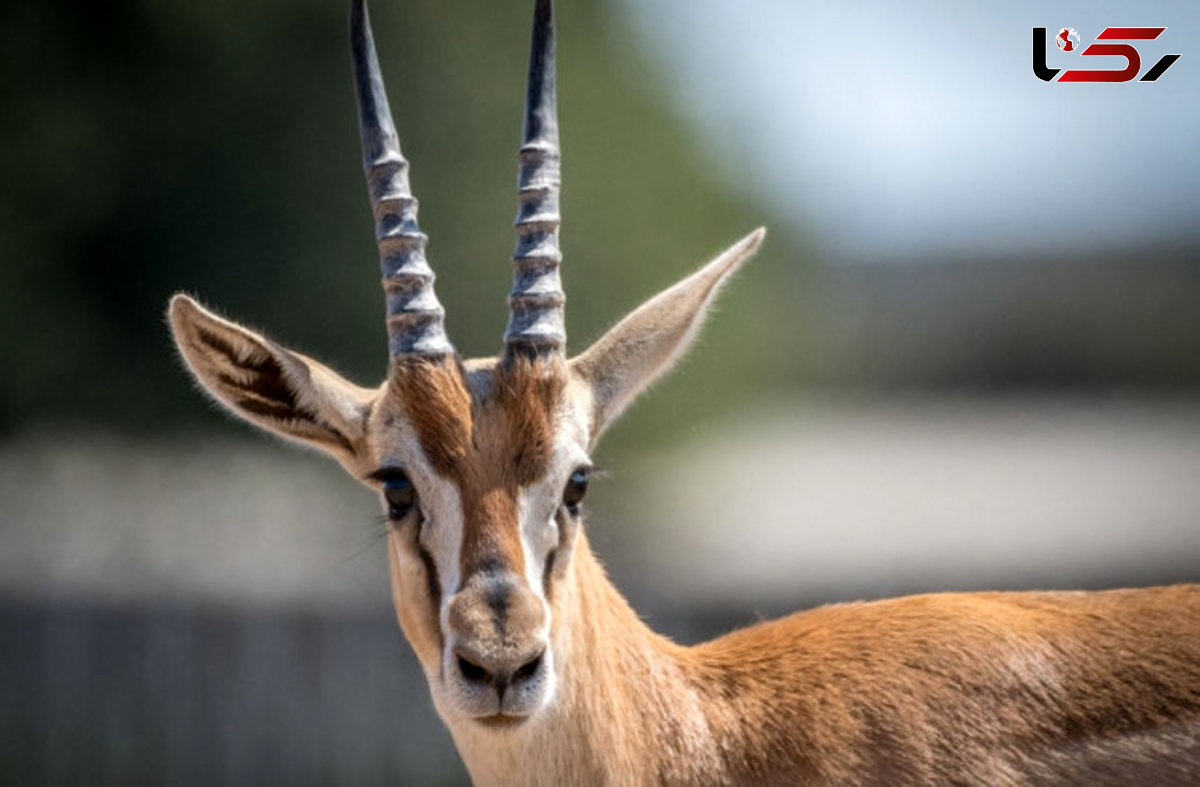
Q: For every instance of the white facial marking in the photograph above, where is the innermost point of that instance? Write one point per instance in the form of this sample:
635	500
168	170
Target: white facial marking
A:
540	501
441	528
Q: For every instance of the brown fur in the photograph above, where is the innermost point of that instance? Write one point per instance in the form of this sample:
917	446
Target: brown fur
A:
416	603
438	404
989	688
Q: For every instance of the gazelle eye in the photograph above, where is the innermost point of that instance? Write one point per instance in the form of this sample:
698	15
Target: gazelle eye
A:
577	487
400	495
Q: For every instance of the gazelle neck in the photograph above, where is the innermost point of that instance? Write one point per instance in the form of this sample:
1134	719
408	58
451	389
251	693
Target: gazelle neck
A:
627	709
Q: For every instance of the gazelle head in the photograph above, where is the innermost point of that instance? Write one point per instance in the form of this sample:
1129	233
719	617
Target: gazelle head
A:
481	465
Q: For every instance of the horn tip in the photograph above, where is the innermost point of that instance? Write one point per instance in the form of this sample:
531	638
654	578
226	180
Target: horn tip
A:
543	18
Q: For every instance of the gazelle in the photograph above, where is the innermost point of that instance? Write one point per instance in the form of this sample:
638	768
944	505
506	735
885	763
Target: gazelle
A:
535	662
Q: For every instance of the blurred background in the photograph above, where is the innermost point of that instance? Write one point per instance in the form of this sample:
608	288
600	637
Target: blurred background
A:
968	357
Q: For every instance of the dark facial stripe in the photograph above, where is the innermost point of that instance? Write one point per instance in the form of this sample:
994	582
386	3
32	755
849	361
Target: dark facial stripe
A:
491	532
433	582
548	572
498	593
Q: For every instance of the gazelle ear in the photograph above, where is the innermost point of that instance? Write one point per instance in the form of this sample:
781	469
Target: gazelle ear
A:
643	346
269	386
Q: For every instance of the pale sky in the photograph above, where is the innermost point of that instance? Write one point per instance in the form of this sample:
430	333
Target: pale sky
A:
892	131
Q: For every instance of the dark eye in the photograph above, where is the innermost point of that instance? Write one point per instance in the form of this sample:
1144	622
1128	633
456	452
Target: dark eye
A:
400	495
577	487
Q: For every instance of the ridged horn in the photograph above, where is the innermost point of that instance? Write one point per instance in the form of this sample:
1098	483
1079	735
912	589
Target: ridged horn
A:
535	323
415	318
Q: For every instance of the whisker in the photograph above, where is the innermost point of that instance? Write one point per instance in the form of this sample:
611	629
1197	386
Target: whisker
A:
380	527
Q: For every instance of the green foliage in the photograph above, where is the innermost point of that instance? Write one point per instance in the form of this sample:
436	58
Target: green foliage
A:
153	147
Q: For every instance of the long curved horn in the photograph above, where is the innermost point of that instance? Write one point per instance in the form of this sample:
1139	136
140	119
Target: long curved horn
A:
535	323
415	318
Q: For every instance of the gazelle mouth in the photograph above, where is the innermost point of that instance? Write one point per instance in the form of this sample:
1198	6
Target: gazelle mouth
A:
501	721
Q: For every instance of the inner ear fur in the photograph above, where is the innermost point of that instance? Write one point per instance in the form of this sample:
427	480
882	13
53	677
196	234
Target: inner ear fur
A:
271	387
645	344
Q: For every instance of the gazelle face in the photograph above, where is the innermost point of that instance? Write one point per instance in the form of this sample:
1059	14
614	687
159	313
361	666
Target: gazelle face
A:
480	466
481	470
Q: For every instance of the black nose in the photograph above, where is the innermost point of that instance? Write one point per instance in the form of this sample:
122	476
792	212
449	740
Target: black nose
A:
498	676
